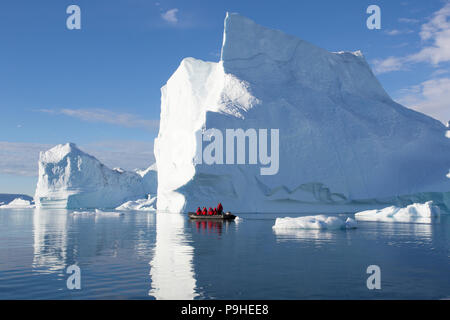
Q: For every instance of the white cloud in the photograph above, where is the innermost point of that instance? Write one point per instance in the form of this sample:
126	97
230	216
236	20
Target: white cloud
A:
431	97
387	65
396	32
170	15
435	36
436	31
106	116
408	20
21	158
125	154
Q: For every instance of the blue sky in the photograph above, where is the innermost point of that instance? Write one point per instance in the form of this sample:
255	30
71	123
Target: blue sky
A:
100	86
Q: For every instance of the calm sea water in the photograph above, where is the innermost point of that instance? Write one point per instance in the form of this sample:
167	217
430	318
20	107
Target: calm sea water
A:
163	256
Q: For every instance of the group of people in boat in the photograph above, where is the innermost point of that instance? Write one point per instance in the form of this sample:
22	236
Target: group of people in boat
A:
210	212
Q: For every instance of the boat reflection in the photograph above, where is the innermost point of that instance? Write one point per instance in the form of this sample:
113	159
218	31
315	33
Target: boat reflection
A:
203	226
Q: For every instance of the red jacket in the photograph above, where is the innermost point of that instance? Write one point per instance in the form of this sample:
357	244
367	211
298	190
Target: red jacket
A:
210	212
199	211
219	208
204	212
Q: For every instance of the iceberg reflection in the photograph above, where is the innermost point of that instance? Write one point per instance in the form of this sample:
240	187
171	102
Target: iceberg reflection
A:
171	268
316	235
50	240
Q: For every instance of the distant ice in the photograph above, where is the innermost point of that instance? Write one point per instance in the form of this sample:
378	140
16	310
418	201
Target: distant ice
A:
82	213
70	178
315	222
108	214
148	204
419	213
18	204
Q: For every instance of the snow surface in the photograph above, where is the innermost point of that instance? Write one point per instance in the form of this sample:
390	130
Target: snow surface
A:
315	222
72	179
420	213
18	204
148	204
344	143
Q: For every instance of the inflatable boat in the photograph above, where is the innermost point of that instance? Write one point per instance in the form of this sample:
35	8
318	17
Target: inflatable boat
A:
225	216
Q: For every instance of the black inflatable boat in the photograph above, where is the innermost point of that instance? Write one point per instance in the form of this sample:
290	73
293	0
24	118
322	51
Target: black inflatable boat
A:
225	216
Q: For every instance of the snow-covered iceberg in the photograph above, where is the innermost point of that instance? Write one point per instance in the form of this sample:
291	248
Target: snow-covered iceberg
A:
417	212
315	222
70	178
343	142
18	203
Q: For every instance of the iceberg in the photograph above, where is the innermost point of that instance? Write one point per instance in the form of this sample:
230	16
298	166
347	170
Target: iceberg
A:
418	213
150	179
148	204
315	222
343	142
18	204
69	178
6	198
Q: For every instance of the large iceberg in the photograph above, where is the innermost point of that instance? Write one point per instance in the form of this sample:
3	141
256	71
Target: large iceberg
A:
70	178
343	142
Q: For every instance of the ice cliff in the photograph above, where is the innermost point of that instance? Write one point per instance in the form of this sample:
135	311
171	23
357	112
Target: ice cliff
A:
70	178
342	140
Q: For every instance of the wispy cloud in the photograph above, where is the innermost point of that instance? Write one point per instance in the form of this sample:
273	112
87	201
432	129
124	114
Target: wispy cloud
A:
435	37
21	158
126	154
431	97
170	15
396	32
387	65
106	116
408	20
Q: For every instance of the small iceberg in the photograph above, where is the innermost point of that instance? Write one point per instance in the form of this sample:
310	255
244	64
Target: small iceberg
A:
148	204
82	213
416	212
315	222
18	204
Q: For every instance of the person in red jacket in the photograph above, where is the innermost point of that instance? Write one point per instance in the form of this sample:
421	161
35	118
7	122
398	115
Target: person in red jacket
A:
215	211
204	212
199	211
210	212
219	209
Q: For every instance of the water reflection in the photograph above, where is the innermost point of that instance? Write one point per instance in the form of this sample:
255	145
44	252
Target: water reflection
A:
62	238
315	235
50	240
214	227
172	271
420	233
